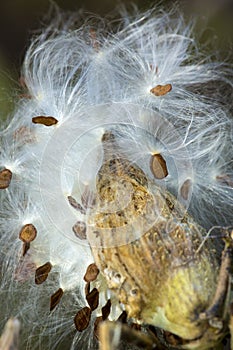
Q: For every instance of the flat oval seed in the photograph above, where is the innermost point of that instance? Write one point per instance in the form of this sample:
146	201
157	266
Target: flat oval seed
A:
106	310
80	229
55	298
185	189
97	322
28	233
44	120
42	273
91	273
93	299
158	166
82	319
161	90
5	178
76	205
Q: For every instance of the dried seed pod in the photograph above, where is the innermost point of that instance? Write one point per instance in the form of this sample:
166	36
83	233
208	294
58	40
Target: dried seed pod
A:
5	178
80	229
158	166
44	120
106	309
93	299
91	273
76	205
97	322
42	273
55	298
28	233
185	189
161	90
82	319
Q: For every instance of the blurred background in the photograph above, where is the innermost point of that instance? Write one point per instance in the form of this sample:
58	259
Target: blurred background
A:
19	18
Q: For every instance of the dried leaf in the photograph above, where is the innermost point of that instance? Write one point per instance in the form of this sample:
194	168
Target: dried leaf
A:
5	178
158	166
91	273
42	273
44	120
82	319
93	299
28	233
161	90
55	298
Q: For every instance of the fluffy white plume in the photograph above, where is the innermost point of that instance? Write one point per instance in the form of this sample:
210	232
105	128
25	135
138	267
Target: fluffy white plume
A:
143	77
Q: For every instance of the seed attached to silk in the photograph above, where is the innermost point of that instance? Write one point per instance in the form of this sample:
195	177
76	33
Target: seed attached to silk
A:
158	166
91	273
185	189
161	90
82	319
42	273
93	299
28	233
55	298
44	120
5	178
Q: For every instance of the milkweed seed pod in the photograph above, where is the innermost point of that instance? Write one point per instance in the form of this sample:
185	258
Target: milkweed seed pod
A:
116	185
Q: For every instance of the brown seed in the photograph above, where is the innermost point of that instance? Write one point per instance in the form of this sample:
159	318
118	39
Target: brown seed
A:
96	326
28	233
106	310
158	166
55	298
225	180
123	317
185	189
76	205
44	120
26	247
5	178
91	273
42	273
161	90
93	299
82	319
80	229
87	288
